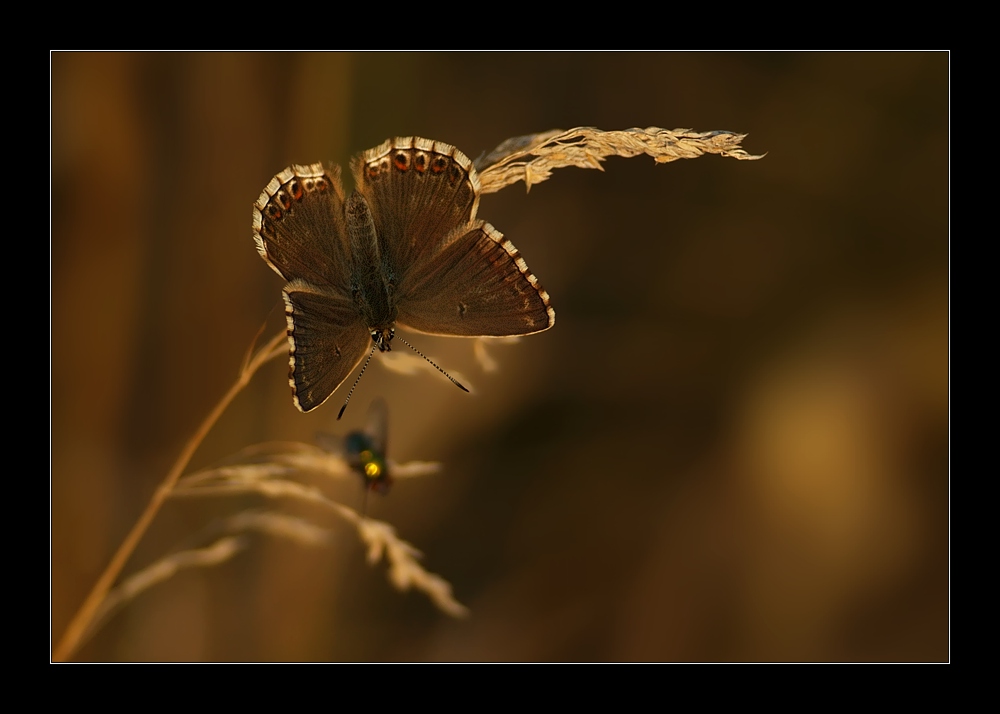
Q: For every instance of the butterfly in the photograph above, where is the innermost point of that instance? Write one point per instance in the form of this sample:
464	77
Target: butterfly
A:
404	249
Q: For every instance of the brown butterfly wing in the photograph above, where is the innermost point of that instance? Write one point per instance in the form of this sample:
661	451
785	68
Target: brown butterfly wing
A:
327	338
477	286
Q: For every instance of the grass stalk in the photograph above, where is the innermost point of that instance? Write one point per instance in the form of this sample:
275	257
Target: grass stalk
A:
83	618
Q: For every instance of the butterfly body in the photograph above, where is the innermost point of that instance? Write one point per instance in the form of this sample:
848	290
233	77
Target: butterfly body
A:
372	279
404	248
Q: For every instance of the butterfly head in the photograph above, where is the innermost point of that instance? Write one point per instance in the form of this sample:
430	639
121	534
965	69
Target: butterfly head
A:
382	337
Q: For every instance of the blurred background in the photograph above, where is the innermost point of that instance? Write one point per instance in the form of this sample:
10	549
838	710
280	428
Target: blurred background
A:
732	446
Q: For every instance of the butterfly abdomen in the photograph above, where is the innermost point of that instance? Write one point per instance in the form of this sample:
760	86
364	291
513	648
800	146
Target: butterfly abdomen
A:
367	277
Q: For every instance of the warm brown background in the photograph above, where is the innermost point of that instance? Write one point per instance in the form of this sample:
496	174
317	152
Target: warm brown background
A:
732	446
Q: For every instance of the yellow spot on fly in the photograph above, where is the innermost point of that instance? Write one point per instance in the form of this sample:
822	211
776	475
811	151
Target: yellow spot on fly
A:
372	469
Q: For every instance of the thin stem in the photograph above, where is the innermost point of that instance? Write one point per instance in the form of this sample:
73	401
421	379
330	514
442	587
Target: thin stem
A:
81	621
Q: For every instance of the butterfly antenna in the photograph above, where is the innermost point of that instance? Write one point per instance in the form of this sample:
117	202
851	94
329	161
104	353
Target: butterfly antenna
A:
432	364
353	386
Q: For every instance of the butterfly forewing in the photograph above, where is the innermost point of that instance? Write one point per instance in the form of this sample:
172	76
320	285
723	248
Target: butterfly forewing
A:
419	192
327	337
299	226
477	286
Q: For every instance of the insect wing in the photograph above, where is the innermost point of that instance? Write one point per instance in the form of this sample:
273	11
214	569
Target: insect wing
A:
327	338
419	192
377	426
298	226
478	285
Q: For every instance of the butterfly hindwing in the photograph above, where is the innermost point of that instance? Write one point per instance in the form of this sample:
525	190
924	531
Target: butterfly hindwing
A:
477	286
327	339
299	228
